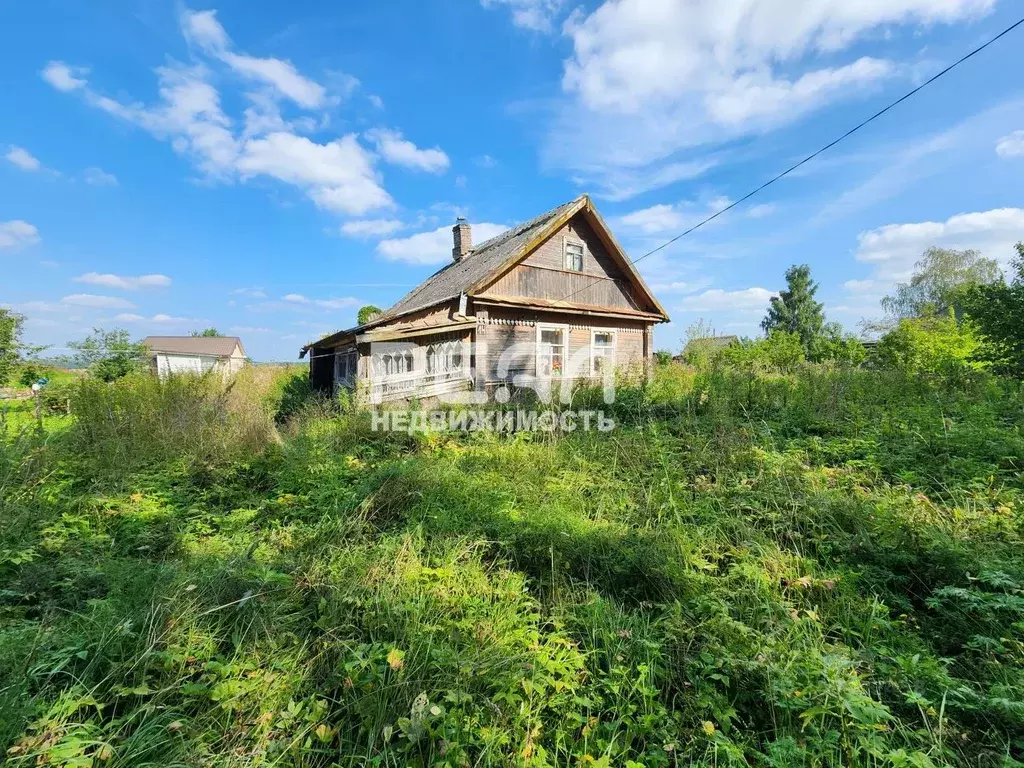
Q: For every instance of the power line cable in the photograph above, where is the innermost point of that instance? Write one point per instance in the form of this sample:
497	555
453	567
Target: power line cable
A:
813	155
810	157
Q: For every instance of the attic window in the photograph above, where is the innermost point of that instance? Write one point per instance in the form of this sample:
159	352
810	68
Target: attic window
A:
574	256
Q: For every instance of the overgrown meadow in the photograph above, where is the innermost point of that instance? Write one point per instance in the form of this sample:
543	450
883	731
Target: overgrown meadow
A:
815	569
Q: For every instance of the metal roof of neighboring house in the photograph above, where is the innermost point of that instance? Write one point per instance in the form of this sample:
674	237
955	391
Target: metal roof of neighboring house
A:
216	346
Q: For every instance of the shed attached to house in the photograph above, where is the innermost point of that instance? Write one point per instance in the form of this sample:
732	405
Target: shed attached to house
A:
195	354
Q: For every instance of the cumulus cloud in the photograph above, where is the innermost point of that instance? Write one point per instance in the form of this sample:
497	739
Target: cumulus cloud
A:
433	247
202	29
535	15
17	233
96	302
371	227
399	151
1012	145
338	175
746	300
124	282
894	248
23	159
647	80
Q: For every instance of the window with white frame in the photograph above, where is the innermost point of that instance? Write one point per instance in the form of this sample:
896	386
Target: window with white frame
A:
444	358
573	256
551	350
393	363
602	352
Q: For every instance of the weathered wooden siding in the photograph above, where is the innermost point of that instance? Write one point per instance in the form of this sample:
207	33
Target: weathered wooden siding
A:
543	275
504	329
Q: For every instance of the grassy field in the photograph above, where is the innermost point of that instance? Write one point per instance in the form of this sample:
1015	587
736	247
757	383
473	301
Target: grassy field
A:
17	407
818	569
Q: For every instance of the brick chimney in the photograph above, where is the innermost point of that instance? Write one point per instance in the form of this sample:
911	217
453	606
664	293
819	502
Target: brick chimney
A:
462	236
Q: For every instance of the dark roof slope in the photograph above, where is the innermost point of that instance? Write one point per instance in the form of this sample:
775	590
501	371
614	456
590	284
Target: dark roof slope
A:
458	276
710	343
217	346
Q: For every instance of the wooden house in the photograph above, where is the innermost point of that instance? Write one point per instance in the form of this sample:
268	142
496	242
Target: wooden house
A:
553	298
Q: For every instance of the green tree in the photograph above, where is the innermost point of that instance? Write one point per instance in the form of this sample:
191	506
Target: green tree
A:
367	313
833	345
207	332
931	345
109	355
997	308
11	324
941	279
794	310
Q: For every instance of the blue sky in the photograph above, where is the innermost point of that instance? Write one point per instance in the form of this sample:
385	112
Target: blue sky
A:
267	168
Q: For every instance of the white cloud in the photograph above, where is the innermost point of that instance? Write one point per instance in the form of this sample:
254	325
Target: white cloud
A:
752	97
248	329
681	286
293	300
255	293
860	286
663	218
745	300
895	248
536	15
62	77
23	159
17	233
399	151
485	161
124	283
648	80
188	115
96	302
97	177
338	175
203	29
432	247
371	227
1012	145
157	319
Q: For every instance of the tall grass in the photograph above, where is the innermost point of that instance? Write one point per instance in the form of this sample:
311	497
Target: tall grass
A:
816	569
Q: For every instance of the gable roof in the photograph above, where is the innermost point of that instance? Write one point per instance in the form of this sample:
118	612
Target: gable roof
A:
217	346
488	261
457	277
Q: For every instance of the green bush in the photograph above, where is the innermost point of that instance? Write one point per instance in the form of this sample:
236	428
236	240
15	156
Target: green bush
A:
931	345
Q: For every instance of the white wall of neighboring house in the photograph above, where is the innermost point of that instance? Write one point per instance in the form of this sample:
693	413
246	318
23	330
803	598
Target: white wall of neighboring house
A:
168	363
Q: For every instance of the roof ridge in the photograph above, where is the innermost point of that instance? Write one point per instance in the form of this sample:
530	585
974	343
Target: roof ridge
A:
463	273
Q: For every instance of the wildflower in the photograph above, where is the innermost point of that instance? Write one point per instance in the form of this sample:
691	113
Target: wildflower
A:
396	659
709	727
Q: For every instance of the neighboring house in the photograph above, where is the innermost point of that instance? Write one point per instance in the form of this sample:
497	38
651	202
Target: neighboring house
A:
707	345
553	298
195	354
